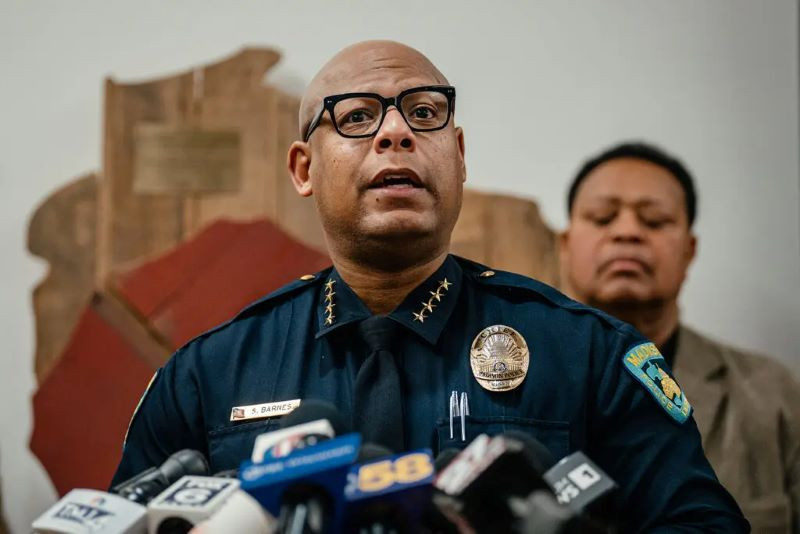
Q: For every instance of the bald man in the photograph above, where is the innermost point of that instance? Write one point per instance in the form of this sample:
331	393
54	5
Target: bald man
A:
400	336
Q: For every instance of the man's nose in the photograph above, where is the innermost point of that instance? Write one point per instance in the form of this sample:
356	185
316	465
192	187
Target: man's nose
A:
394	133
627	227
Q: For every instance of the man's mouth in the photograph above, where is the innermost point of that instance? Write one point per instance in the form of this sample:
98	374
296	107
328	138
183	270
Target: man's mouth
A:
626	264
395	179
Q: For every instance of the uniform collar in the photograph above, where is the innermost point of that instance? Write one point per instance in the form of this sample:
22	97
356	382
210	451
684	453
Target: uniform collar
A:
424	311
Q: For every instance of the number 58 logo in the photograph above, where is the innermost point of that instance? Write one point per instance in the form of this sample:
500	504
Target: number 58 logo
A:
406	469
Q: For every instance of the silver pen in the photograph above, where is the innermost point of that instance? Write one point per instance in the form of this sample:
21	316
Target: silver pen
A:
463	409
453	410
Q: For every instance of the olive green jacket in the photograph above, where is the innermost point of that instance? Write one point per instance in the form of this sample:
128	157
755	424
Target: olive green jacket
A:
748	410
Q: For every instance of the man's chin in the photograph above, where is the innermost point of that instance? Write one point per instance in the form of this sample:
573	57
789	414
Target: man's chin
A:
398	226
620	295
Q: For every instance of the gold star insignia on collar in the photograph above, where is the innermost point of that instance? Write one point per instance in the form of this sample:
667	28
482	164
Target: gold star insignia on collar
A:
329	293
437	295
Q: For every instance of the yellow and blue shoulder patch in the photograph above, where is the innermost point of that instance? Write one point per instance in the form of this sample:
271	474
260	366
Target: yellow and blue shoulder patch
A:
647	365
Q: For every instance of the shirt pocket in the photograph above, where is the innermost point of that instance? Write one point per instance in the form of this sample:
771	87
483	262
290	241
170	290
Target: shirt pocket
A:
229	446
552	434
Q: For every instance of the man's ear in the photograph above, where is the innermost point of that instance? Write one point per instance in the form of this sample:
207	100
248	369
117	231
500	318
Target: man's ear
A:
691	249
460	141
563	262
563	242
299	163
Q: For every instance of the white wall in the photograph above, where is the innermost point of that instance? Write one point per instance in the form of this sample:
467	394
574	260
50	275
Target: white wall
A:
541	86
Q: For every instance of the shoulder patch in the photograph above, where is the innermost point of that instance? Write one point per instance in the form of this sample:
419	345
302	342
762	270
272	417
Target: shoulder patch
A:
647	365
139	405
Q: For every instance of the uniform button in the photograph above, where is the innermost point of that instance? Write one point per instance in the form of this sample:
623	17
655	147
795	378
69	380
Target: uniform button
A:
487	274
307	277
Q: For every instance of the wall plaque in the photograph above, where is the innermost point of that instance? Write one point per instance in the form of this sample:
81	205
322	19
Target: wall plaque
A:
181	159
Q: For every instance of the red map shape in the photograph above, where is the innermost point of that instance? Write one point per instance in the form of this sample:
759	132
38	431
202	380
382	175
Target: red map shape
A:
82	409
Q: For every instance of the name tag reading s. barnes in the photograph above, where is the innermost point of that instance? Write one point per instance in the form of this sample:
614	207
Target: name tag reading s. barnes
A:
260	411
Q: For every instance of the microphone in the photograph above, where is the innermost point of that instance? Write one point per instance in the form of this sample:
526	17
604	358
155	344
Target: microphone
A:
240	513
304	489
87	510
476	486
297	472
187	502
583	487
389	494
312	422
541	513
434	519
150	482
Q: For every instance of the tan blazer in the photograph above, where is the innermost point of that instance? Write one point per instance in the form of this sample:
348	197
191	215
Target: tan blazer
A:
748	410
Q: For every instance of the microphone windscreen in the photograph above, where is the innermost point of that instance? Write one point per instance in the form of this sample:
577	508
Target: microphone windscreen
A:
182	463
312	410
187	502
539	455
86	510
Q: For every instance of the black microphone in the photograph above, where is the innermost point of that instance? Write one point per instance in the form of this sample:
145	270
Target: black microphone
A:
476	486
583	487
143	487
314	409
541	513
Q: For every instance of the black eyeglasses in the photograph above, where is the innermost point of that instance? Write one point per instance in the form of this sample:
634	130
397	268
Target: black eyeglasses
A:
356	115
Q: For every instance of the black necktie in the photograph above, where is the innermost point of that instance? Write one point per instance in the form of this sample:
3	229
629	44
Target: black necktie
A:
378	398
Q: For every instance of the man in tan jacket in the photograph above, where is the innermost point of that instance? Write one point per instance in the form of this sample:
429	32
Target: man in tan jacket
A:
626	251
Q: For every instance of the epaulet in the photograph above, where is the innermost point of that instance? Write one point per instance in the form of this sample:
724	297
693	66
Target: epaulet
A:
513	283
495	278
296	286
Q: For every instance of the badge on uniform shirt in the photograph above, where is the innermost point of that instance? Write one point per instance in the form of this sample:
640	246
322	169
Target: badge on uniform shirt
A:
260	411
647	365
499	358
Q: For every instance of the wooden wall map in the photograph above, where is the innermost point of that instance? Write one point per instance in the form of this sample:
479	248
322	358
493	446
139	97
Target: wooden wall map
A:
192	217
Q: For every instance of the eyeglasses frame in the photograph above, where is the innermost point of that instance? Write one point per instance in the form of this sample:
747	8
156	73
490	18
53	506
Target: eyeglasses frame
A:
329	102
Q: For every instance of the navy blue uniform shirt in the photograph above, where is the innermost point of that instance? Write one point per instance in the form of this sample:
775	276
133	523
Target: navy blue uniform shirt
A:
591	385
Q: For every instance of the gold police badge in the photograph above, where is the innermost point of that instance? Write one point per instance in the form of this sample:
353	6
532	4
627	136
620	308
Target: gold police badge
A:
499	358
